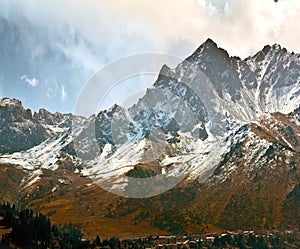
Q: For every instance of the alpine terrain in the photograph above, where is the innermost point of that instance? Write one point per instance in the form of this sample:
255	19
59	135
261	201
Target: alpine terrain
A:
214	144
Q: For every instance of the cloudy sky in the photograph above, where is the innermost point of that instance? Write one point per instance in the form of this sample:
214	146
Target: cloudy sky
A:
49	49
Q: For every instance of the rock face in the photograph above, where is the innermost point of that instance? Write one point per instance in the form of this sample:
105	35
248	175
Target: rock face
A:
210	91
20	130
45	117
210	97
228	127
217	87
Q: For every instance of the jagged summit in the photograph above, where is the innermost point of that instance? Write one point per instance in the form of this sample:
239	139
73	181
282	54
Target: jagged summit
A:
257	78
208	44
227	128
164	71
10	102
210	51
12	110
111	110
20	130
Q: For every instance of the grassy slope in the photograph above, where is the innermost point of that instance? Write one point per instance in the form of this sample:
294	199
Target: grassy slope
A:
265	198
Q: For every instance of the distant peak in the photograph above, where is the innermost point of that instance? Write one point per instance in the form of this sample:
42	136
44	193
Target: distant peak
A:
207	45
115	107
209	49
111	110
209	42
276	46
266	49
269	50
10	102
164	72
43	111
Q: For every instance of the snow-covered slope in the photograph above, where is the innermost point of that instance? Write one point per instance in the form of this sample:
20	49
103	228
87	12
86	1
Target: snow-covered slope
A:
196	111
186	123
21	130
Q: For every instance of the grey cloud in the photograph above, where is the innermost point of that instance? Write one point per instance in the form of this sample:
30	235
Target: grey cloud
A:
62	43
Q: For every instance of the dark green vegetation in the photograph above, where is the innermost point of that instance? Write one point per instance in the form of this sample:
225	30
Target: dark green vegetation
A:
29	230
35	231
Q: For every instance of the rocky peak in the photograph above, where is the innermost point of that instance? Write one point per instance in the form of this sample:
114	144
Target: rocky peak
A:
19	130
209	44
7	102
111	113
164	72
109	121
209	52
47	117
12	110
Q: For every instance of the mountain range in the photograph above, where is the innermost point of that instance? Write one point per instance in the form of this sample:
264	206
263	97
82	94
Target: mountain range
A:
214	144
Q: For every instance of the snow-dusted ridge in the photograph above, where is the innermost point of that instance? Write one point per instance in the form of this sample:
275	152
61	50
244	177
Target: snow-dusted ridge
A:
186	122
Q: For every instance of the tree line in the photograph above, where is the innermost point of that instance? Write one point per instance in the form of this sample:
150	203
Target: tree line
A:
31	230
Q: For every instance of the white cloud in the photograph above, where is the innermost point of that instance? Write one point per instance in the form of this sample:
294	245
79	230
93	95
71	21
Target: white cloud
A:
64	94
242	26
96	30
71	45
30	81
